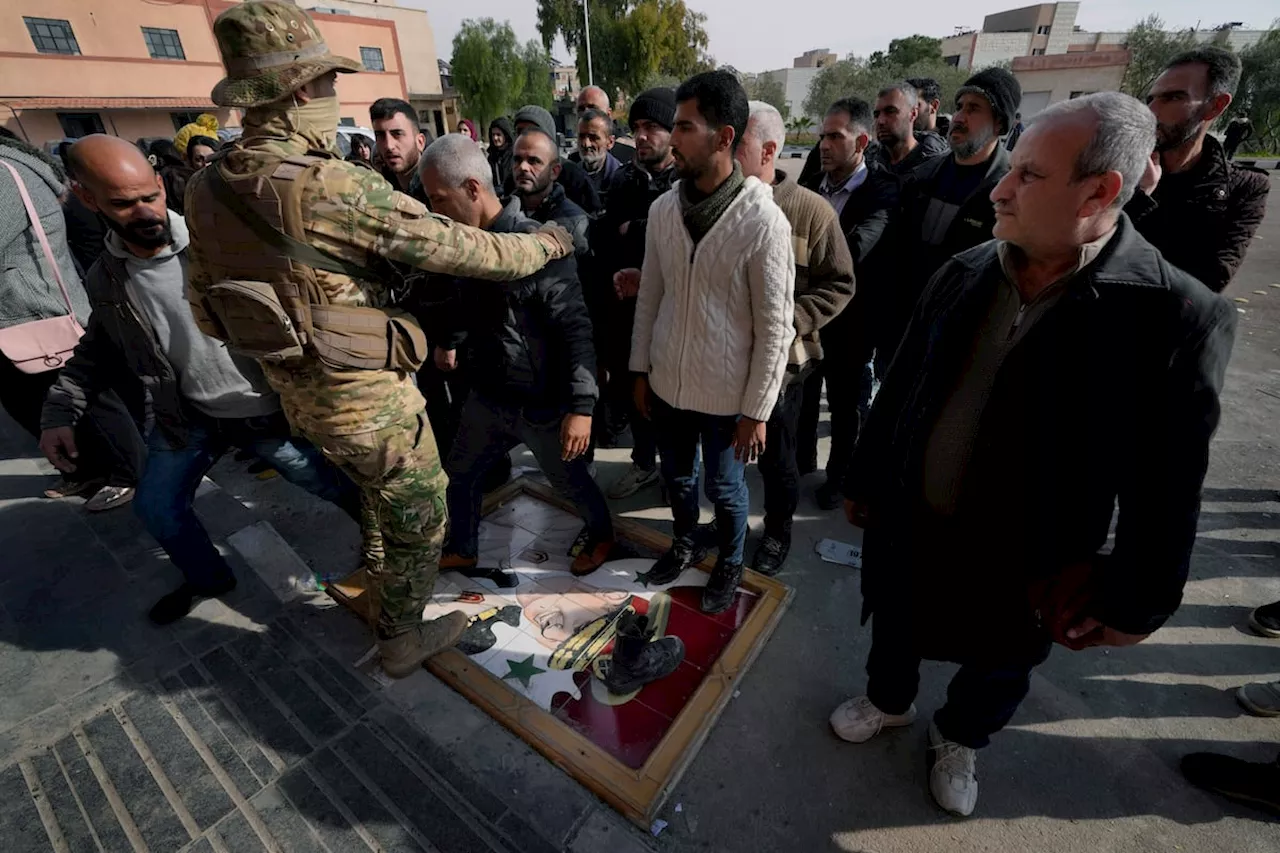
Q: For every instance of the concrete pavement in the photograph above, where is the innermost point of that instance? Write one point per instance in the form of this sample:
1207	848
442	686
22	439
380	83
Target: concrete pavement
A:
246	727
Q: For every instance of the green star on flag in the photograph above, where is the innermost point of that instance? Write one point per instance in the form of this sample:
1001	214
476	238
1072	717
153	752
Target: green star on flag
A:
522	670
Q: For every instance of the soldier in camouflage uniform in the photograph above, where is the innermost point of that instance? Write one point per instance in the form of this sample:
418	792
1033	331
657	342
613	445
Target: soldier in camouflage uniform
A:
369	421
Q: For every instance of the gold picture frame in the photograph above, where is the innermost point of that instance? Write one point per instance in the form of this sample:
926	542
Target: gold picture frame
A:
638	794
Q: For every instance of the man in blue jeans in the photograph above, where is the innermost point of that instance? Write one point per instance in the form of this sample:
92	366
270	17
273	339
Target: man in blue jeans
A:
204	399
530	360
714	323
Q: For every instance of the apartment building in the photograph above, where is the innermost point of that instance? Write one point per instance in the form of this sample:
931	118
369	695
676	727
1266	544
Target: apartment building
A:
1050	29
797	79
436	103
142	68
1041	30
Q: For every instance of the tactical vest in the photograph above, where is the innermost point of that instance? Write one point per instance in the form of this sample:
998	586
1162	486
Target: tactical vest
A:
267	299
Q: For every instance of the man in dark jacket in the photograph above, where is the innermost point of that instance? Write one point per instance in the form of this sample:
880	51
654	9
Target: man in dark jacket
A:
536	164
595	150
531	363
902	148
1047	375
572	176
618	240
1204	210
204	399
862	193
945	205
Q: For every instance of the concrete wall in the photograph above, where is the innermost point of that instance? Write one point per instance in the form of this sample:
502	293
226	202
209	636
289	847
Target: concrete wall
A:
1114	40
795	84
1060	83
1061	27
417	42
961	46
999	47
1024	20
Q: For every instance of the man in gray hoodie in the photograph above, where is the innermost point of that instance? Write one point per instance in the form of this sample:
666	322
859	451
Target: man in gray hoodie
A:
204	398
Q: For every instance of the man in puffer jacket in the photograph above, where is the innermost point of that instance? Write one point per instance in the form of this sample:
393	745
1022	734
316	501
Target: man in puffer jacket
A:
110	448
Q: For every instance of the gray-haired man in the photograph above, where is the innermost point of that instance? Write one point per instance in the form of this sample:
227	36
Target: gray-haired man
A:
824	286
1046	376
530	361
902	147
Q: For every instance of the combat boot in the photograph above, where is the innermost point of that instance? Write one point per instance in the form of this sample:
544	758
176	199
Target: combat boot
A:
404	654
638	659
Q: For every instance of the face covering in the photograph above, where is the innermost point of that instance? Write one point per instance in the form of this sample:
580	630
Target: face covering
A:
318	120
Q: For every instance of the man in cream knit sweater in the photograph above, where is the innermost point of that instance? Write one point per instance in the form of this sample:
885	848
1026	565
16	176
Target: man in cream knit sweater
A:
714	323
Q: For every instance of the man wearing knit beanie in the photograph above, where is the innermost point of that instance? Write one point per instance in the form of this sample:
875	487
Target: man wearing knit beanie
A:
618	240
1002	92
945	208
656	105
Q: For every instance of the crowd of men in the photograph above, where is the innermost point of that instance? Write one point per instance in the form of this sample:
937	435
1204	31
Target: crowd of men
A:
1017	327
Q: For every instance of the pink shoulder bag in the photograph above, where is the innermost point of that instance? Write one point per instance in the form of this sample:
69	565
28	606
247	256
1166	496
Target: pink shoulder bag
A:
47	344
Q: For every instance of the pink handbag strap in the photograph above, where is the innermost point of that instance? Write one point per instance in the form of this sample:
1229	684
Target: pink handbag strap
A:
39	229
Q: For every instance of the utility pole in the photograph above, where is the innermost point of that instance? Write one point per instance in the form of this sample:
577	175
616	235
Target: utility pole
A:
586	24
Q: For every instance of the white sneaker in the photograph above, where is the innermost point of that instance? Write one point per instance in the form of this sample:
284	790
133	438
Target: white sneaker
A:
953	774
858	720
633	481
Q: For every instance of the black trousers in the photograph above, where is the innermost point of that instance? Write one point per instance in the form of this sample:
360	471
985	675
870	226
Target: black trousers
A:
108	437
981	698
777	464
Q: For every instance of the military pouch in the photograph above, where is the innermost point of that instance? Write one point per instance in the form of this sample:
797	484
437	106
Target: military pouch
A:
256	323
368	338
408	343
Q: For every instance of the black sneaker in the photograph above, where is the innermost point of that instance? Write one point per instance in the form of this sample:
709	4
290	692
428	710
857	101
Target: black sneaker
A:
771	553
722	586
1265	620
682	554
178	603
828	495
1255	783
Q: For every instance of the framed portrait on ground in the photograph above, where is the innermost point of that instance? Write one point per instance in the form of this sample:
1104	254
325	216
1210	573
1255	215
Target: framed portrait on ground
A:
539	643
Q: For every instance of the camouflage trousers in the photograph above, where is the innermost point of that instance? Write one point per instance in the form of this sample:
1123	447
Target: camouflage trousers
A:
402	486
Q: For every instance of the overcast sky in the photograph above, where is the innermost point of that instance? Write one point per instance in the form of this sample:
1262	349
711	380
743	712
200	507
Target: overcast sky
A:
742	37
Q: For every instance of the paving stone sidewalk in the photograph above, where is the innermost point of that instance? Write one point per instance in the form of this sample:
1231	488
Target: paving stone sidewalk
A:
245	727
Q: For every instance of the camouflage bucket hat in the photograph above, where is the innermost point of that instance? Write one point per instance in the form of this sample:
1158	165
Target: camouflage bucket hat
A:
270	48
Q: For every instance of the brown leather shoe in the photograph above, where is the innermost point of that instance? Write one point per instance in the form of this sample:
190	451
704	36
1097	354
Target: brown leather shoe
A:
404	654
591	558
457	561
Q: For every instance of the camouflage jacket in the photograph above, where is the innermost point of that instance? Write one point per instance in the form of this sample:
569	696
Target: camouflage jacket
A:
353	213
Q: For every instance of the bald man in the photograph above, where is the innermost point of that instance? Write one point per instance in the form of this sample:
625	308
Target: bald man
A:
595	98
204	397
535	166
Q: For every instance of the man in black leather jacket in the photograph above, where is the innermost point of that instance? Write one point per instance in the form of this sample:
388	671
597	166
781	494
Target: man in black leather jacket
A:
530	362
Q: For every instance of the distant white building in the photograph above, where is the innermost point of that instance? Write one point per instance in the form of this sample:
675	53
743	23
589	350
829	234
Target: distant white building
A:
796	79
1048	29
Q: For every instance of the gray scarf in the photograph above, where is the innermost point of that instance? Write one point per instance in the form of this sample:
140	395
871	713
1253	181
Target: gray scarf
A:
700	215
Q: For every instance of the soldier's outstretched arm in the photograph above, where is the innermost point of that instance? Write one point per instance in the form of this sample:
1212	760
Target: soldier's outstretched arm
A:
352	212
